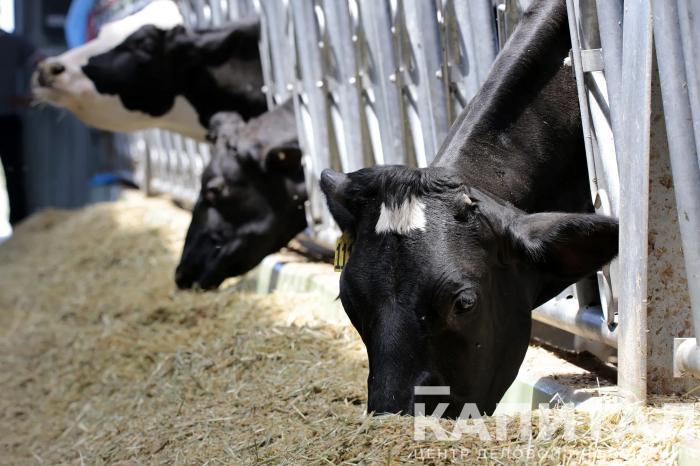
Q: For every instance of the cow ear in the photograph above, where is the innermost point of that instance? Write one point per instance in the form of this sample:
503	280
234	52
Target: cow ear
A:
334	185
283	158
568	246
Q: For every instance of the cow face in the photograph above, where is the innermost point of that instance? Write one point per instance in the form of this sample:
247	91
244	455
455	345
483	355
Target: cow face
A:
140	71
251	201
442	278
63	81
157	77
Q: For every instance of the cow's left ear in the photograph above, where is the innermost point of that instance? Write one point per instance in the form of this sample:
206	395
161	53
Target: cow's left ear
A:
568	246
283	158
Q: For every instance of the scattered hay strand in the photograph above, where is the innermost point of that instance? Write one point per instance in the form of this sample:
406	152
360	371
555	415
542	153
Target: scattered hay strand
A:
103	361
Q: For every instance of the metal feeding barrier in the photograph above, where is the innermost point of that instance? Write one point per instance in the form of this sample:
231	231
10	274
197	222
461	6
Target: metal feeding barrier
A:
381	81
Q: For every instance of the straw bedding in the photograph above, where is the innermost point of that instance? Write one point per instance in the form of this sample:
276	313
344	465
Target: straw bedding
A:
102	361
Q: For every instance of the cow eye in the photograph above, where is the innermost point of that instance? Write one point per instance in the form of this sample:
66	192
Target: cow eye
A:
464	303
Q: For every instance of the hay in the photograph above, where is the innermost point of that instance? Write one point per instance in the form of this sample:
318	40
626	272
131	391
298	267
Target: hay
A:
102	361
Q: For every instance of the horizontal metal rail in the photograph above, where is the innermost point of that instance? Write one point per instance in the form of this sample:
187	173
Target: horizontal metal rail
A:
587	322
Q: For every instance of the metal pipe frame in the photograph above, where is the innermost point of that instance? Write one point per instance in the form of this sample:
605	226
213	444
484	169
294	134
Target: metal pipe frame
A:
682	149
582	99
635	103
610	15
587	322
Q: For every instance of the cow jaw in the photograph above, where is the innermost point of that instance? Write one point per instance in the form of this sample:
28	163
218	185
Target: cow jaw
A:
107	112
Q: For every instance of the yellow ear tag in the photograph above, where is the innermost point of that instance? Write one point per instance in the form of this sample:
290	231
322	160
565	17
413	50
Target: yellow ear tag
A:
343	247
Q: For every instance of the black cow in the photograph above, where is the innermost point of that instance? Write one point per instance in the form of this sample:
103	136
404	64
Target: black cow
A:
449	260
157	77
252	198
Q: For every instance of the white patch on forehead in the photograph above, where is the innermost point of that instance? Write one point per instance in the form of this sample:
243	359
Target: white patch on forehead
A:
410	215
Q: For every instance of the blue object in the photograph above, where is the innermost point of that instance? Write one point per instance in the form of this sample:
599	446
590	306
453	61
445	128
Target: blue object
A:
121	177
77	22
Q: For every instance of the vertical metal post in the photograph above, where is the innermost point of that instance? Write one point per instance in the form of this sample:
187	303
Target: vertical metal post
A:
471	43
425	76
379	73
341	73
610	27
689	19
582	97
634	202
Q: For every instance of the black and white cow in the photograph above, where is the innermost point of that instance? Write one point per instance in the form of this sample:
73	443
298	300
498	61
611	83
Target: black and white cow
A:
448	261
252	198
147	71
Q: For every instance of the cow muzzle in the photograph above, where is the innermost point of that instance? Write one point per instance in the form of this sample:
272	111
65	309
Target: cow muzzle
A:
184	279
47	71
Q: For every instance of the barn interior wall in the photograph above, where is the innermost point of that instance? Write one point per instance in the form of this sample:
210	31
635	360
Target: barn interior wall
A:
668	306
61	153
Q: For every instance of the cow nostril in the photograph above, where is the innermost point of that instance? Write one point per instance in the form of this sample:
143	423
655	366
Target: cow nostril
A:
182	280
56	69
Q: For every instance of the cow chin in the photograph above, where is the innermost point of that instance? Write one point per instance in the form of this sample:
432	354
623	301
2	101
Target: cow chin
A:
428	395
209	277
74	93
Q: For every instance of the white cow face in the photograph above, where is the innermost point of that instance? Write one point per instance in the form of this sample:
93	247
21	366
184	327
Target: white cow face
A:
61	80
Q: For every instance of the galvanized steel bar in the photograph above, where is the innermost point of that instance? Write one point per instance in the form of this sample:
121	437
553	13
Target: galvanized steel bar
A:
587	322
217	16
582	97
278	50
681	140
689	19
471	46
313	103
634	199
312	112
379	71
341	71
610	28
424	78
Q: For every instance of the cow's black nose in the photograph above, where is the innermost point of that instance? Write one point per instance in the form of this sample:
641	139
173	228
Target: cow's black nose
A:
47	71
182	279
42	78
56	68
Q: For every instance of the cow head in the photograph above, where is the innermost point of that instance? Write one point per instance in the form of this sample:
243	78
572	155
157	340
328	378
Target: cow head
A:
154	76
251	200
442	278
61	80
